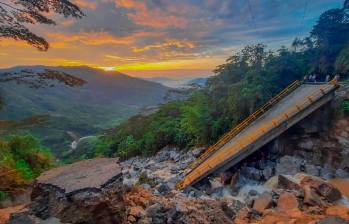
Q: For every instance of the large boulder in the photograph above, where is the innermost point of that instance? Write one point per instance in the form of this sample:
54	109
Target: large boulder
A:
323	188
85	192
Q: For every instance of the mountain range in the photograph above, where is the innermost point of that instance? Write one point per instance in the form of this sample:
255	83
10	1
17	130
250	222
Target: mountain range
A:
179	82
104	101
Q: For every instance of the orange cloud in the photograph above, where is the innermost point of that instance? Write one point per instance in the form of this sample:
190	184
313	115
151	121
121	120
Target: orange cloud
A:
154	17
61	40
122	59
183	44
11	42
85	4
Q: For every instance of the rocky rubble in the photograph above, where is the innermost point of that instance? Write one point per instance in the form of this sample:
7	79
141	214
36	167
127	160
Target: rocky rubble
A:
162	171
144	193
296	199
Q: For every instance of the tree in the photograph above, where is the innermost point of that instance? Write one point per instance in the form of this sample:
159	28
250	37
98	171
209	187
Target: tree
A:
15	14
41	79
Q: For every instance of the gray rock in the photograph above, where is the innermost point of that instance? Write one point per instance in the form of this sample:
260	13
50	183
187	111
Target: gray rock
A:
196	152
191	194
253	193
24	217
342	173
333	220
164	188
312	170
146	186
182	165
232	207
138	165
307	144
174	156
157	213
267	173
288	165
251	173
326	173
162	156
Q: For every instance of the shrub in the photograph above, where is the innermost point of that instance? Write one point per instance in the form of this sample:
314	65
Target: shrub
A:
3	195
22	158
345	107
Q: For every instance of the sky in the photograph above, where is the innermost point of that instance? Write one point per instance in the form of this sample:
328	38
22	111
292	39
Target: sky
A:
172	38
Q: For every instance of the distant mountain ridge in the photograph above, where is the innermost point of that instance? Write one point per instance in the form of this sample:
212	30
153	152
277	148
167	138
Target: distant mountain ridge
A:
106	99
179	82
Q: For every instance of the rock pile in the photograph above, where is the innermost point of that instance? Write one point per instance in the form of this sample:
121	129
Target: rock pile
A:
296	199
141	190
160	172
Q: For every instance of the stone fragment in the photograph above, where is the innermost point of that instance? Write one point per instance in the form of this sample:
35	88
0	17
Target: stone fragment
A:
311	197
232	207
215	183
251	173
312	170
267	173
286	202
225	177
287	183
264	202
288	165
325	189
340	173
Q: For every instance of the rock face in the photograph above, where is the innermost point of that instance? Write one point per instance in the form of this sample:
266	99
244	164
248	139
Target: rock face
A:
84	192
87	174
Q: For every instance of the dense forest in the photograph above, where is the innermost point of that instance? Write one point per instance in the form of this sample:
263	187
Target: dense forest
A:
241	85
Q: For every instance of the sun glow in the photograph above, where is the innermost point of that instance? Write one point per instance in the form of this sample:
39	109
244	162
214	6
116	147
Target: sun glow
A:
108	69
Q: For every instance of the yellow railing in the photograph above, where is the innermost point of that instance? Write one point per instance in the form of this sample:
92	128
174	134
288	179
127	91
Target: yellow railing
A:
214	161
237	129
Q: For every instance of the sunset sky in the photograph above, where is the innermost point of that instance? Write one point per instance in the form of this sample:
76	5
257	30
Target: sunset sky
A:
175	38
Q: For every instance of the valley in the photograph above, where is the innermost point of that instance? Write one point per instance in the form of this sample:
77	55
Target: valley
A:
107	99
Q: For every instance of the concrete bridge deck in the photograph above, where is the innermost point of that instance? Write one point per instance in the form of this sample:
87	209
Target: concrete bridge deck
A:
289	110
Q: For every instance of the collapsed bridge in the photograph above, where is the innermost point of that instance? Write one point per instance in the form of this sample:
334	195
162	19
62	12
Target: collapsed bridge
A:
290	106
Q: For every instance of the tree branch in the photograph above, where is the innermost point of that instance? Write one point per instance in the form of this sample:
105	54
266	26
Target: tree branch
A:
12	7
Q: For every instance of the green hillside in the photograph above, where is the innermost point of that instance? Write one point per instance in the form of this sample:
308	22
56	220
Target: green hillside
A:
107	99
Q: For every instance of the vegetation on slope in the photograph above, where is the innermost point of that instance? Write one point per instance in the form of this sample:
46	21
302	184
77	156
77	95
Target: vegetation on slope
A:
22	159
246	81
104	101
